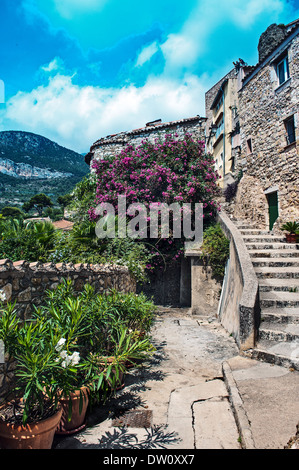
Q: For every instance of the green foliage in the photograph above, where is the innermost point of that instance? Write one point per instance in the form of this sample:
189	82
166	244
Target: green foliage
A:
215	249
31	241
291	227
38	202
64	200
81	245
69	343
83	195
14	212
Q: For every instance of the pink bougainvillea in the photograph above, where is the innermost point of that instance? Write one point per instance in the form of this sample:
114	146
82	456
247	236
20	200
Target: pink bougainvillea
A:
168	170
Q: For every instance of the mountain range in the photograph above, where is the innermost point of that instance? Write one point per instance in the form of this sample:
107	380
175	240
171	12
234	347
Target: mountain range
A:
31	163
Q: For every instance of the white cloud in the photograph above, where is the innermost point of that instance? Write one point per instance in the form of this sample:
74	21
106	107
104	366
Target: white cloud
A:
180	50
69	8
184	48
76	116
53	65
146	54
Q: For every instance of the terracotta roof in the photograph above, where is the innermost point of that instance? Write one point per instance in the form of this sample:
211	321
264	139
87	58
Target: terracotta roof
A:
63	224
121	137
160	125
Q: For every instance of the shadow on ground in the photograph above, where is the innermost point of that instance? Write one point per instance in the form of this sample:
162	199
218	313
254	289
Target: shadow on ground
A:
121	404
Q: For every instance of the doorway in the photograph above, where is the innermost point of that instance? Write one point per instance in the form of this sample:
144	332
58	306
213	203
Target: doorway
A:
273	208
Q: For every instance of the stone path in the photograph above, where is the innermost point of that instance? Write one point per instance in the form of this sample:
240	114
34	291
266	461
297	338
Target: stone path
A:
180	395
196	392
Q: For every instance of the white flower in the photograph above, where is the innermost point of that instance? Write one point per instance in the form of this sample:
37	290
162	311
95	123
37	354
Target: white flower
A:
2	296
74	358
63	354
60	344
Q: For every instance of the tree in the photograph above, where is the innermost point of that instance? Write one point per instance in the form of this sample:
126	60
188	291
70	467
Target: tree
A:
38	202
64	200
13	212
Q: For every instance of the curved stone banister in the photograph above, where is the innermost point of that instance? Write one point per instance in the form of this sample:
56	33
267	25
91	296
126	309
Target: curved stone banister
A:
240	308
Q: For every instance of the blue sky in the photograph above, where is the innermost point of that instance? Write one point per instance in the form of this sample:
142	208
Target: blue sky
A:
78	70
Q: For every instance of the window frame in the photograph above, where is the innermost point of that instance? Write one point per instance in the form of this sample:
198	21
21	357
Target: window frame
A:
290	119
286	69
249	147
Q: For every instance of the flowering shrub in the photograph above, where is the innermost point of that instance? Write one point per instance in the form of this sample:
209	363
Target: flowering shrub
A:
166	171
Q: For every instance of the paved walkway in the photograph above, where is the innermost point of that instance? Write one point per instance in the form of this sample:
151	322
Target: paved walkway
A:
195	393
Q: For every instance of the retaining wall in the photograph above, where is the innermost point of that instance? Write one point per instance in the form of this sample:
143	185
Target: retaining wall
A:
26	283
239	310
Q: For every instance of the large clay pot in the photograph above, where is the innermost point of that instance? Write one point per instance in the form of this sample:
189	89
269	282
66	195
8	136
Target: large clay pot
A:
37	435
80	401
291	238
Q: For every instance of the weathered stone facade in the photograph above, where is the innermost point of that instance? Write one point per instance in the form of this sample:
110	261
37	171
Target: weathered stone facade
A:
26	283
269	153
113	144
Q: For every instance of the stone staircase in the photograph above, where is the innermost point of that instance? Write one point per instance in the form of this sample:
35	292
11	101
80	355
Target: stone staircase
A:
276	265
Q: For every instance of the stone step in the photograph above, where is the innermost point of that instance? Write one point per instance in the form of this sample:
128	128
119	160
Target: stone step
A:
280	315
279	353
279	299
263	238
275	262
274	253
287	332
272	246
287	285
266	272
254	231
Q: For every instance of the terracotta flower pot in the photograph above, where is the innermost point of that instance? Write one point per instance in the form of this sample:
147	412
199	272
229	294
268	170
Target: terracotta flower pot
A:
80	401
291	238
37	435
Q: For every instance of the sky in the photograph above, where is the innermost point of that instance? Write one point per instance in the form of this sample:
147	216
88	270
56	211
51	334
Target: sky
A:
78	70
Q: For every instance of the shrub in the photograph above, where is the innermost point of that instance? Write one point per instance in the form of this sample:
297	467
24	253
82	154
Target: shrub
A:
215	249
166	171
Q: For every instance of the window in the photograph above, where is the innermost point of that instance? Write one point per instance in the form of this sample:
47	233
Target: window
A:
290	130
219	129
249	146
282	70
219	104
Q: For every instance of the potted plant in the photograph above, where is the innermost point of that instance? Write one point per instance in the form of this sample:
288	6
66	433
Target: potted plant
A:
50	393
127	349
291	228
31	412
75	375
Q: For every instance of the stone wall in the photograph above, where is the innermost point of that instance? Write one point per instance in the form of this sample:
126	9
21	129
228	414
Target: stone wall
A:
272	164
26	283
112	145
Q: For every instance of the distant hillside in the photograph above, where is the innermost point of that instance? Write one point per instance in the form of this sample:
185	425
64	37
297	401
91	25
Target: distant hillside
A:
31	163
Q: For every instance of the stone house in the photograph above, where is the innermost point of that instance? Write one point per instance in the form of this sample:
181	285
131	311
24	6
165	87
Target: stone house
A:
268	193
113	144
222	125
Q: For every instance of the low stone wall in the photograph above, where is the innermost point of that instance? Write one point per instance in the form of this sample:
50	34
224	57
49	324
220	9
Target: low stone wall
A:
26	283
239	310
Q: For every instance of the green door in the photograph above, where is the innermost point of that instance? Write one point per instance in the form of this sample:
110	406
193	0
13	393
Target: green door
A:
273	208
